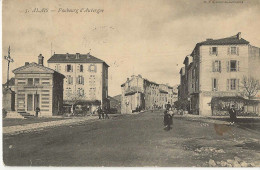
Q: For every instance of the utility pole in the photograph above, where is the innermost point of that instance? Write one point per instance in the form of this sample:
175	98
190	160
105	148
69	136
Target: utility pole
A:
9	59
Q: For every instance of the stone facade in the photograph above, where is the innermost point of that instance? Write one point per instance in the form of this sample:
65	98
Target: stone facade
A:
216	68
38	86
85	76
140	93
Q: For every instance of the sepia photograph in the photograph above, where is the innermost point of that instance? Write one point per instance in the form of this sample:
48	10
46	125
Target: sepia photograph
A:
130	83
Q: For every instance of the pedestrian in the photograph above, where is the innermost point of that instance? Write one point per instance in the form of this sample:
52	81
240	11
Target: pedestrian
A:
168	106
232	114
99	112
103	114
37	111
167	120
106	113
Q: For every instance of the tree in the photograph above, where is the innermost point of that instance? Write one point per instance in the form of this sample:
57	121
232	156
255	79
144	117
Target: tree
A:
250	86
75	97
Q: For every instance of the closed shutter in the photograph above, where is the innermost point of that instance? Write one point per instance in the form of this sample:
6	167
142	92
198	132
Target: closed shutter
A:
78	68
210	51
238	67
238	84
228	63
71	68
228	50
216	84
219	62
71	78
59	67
66	68
227	84
212	82
237	50
213	66
82	80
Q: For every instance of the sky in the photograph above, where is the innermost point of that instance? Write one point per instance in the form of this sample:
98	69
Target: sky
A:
148	37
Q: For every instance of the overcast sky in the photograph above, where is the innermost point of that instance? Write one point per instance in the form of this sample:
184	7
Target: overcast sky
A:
148	37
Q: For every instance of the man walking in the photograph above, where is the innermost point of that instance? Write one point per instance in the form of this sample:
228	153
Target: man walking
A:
232	114
37	110
99	112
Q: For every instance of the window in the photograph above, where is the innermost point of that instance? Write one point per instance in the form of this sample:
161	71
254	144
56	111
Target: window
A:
80	80
214	84
81	68
36	81
30	81
69	68
216	66
80	92
233	65
232	84
70	79
233	50
213	50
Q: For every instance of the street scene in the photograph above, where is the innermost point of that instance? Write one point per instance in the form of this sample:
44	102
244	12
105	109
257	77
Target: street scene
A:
123	86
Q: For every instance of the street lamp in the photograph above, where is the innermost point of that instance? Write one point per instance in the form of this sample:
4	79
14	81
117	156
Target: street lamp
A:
9	59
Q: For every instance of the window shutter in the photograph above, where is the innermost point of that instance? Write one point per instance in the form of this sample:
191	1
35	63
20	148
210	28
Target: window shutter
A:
217	84
213	66
82	80
66	68
238	84
228	51
237	50
212	82
227	84
238	66
228	66
78	68
219	62
71	68
216	50
59	67
210	50
71	78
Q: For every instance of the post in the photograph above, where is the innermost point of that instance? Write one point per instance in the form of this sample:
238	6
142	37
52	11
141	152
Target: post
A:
9	59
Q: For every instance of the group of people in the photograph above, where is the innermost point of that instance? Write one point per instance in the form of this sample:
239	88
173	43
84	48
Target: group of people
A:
102	113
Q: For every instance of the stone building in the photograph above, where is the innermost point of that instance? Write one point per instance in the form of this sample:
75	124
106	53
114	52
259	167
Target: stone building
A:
216	68
140	93
86	78
38	86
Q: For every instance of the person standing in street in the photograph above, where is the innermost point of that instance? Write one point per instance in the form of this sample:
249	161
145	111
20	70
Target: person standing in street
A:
106	113
99	112
167	121
168	106
103	114
232	114
37	110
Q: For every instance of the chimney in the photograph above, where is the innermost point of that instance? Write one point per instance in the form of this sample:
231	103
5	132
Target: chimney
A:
67	56
40	60
77	55
239	35
26	63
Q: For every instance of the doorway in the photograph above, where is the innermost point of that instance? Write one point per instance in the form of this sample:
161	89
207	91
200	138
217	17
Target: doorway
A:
36	101
29	102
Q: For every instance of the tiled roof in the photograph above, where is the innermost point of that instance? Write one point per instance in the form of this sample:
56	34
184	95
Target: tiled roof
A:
83	58
225	41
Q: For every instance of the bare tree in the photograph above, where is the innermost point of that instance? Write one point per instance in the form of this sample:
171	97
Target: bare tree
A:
250	86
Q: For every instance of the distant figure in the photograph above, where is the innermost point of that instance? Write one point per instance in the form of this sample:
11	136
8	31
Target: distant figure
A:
168	106
37	111
232	114
167	120
103	114
99	112
106	113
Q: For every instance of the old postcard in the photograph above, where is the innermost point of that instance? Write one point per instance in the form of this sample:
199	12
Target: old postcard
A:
128	83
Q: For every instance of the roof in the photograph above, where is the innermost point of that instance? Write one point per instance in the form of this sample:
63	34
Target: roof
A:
225	41
83	58
37	69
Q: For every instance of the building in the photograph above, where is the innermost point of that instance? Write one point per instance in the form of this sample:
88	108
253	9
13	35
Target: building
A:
141	94
86	78
216	68
38	86
115	104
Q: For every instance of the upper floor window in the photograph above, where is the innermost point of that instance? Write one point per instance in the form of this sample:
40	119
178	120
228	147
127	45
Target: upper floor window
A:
69	68
216	66
214	84
80	80
80	92
30	81
81	68
213	50
232	84
233	65
36	81
233	50
57	67
70	79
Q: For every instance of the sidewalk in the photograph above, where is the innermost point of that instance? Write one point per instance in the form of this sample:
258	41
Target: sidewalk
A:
39	126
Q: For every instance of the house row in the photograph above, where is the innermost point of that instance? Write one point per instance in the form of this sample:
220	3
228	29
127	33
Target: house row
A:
68	79
139	93
217	68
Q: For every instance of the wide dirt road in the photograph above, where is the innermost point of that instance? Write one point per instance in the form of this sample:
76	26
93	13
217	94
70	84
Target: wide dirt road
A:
134	140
